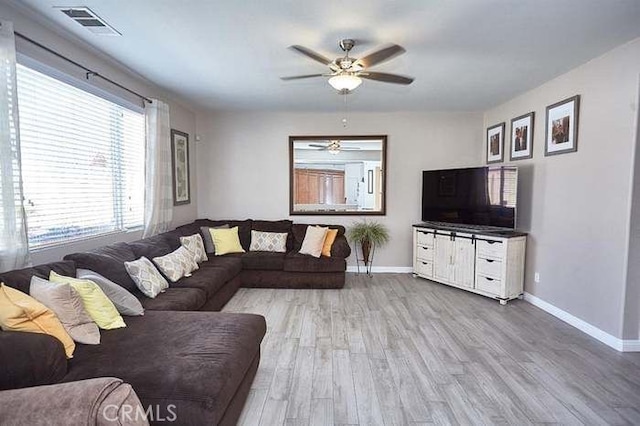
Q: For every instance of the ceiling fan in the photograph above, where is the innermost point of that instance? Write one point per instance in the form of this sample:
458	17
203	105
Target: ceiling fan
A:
333	147
346	73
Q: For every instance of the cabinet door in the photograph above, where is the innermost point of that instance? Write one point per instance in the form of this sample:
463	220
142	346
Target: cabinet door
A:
464	262
443	258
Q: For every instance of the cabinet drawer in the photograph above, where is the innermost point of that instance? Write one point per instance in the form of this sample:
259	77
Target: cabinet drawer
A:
424	268
489	267
424	253
488	284
490	248
424	238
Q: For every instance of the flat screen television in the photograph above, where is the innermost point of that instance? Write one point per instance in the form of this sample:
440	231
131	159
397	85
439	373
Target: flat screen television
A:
478	196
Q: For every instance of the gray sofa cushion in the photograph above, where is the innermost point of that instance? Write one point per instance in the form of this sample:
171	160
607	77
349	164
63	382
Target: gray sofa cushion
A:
30	359
20	279
195	360
296	262
102	401
108	261
263	260
175	299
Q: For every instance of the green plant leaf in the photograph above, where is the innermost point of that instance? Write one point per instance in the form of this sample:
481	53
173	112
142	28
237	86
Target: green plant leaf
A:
374	232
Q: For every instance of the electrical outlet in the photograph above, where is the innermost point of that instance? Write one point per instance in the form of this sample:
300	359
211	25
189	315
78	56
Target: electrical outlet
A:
536	277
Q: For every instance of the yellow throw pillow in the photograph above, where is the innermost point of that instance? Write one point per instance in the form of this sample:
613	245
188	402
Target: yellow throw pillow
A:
98	306
226	240
328	242
21	312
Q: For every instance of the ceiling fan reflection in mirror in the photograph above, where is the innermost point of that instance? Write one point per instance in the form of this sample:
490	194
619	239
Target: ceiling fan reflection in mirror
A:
333	147
346	73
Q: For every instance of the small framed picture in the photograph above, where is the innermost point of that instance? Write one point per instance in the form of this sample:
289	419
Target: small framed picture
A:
495	143
180	167
522	137
562	127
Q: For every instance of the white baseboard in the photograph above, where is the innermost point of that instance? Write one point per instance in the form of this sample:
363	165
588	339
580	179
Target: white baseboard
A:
606	338
383	269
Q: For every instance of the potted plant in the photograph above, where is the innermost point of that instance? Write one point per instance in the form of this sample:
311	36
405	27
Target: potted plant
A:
368	235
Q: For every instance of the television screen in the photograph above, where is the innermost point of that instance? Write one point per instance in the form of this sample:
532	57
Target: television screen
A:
484	196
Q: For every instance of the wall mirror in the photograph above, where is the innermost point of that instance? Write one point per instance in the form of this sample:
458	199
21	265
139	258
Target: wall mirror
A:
337	175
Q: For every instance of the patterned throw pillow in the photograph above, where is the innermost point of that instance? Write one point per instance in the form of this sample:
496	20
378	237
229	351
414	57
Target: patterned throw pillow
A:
177	264
195	245
268	241
146	276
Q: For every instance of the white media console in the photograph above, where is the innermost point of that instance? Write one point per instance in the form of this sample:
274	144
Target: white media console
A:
487	261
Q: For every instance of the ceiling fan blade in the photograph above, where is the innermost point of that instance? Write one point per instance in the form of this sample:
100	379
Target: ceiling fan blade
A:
380	56
311	54
315	145
298	77
387	78
349	148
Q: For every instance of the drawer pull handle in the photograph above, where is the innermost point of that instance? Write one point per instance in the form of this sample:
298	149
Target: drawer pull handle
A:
488	279
424	263
491	242
490	260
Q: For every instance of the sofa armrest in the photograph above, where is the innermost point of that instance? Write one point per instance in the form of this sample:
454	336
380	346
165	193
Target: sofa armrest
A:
340	247
30	359
102	401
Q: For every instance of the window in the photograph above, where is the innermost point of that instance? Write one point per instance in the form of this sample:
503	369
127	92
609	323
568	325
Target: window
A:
82	161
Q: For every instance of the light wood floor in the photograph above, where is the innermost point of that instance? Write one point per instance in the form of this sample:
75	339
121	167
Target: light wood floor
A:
394	349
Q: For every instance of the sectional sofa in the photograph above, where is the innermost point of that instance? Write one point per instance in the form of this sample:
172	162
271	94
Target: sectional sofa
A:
178	358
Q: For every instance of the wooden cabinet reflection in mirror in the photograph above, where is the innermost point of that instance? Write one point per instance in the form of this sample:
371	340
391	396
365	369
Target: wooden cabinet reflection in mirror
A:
337	175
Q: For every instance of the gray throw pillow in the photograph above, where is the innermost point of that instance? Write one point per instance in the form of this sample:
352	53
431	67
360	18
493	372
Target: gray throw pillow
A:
67	304
125	302
206	236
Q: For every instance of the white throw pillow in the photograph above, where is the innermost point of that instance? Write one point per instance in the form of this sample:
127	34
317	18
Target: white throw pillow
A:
268	241
177	264
195	245
314	241
146	276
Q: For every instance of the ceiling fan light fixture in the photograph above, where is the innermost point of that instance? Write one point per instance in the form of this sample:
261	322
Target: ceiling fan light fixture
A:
345	81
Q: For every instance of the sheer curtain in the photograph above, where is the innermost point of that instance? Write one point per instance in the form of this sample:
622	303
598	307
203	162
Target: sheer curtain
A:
158	199
14	247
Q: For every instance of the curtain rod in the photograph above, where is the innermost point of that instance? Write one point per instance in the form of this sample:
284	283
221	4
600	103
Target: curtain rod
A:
88	72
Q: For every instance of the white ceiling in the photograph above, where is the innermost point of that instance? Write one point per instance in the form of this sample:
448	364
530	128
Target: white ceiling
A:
465	55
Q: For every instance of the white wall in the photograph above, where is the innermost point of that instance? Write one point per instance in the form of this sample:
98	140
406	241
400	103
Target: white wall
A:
243	164
577	206
182	117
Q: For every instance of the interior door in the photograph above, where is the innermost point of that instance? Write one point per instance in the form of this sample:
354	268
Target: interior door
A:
442	261
464	262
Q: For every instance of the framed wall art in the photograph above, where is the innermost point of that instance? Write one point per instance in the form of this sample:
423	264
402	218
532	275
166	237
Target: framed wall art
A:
495	143
180	167
562	126
522	137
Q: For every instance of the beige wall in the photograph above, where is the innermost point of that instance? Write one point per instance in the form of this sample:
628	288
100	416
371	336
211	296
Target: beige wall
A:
243	164
577	206
182	117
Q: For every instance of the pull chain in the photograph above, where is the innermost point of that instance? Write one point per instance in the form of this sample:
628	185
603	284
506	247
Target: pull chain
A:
345	92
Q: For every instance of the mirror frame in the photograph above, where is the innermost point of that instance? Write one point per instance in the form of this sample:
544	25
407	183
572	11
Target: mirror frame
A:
381	212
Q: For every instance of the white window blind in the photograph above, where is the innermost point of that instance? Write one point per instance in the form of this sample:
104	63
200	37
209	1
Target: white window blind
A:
82	161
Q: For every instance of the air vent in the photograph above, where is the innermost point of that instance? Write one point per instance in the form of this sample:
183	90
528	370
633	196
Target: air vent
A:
92	22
